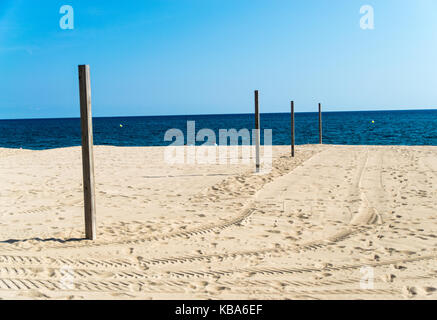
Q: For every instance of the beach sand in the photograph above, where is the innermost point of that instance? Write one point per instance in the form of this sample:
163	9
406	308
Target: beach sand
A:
335	222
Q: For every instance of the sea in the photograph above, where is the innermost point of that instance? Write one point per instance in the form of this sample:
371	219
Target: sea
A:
412	127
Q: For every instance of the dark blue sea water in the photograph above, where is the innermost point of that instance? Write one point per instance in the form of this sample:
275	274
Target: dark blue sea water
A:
418	127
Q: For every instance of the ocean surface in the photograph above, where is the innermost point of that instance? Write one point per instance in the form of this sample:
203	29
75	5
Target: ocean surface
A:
418	127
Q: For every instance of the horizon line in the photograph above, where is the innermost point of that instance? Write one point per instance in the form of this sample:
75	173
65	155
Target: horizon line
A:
216	114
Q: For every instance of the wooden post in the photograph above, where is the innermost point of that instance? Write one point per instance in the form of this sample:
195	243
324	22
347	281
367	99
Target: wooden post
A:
292	129
257	132
87	152
320	124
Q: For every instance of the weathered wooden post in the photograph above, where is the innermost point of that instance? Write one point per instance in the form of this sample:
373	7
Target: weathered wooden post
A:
292	129
87	152
320	124
257	132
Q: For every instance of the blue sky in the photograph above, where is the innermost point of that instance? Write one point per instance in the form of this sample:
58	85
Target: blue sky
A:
207	56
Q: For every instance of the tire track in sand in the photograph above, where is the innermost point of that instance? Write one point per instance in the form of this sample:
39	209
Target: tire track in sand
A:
313	245
286	271
278	170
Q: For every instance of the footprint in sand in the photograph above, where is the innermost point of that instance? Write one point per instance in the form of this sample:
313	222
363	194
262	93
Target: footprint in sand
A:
409	291
428	290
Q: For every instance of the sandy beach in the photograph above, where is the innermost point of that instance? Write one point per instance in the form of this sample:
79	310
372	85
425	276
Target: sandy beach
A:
318	226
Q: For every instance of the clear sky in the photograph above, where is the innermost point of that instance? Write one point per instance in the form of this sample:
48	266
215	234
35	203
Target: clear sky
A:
153	57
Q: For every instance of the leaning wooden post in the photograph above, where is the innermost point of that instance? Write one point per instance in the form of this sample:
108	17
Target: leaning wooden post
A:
292	129
257	132
320	124
87	152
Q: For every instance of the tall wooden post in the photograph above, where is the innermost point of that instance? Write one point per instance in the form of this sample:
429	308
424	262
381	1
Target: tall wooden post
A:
257	132
87	152
320	124
292	129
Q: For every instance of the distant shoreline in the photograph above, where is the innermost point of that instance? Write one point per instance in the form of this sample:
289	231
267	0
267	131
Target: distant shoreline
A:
274	146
